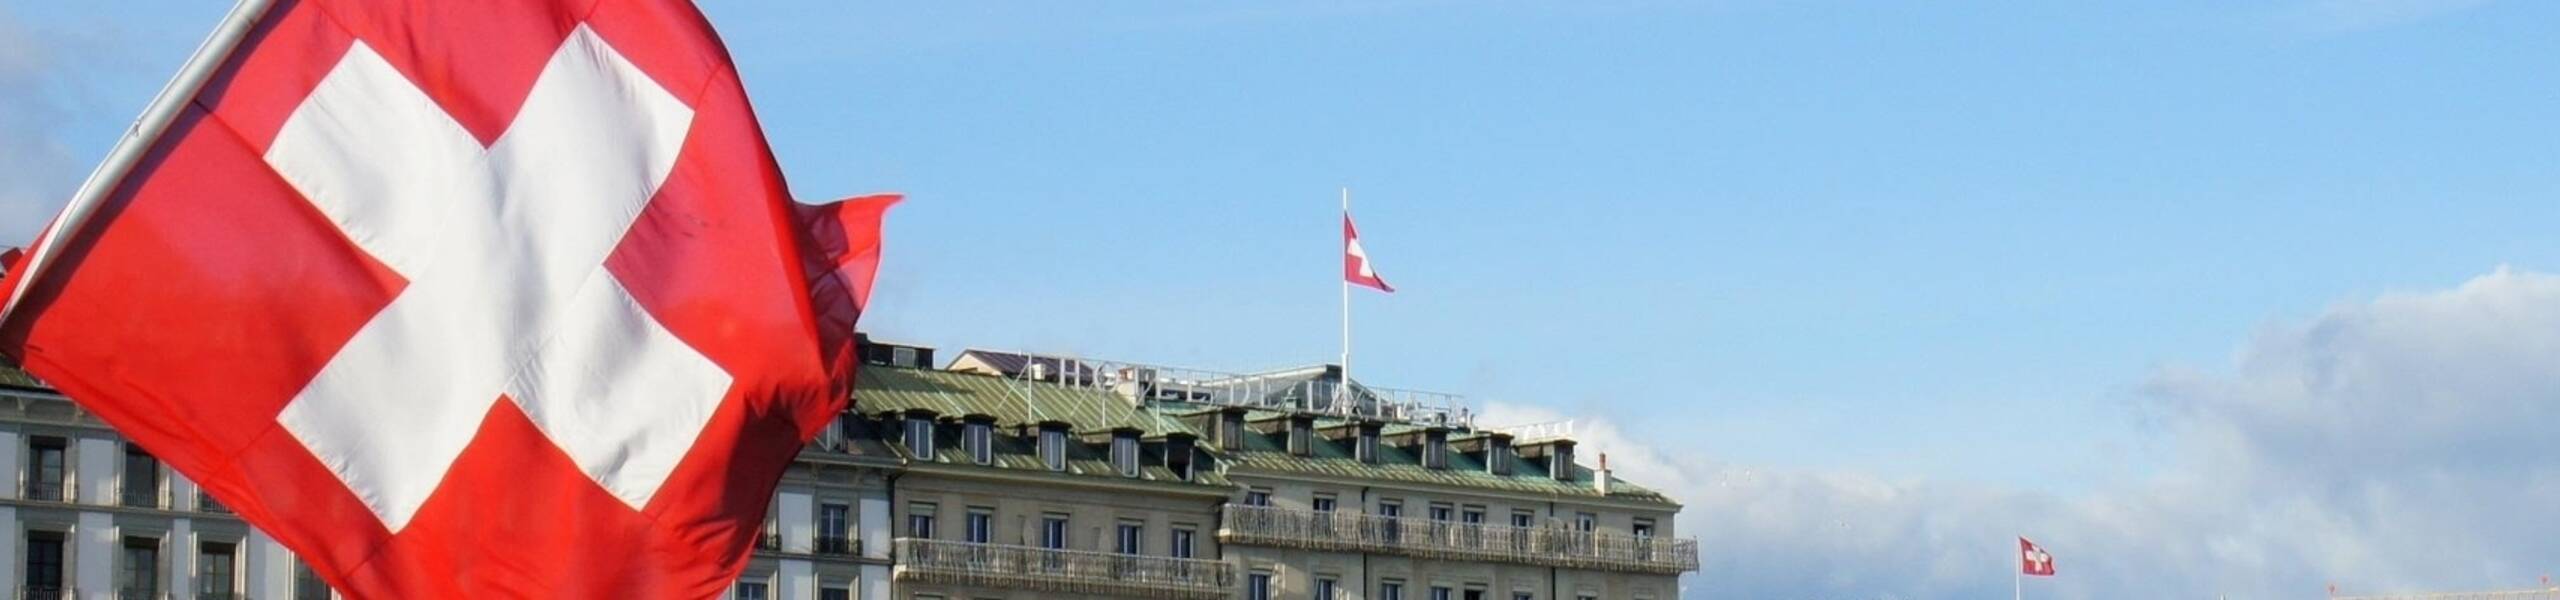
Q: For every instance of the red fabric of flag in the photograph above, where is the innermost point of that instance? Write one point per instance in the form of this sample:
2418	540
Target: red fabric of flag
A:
2032	560
1355	260
497	299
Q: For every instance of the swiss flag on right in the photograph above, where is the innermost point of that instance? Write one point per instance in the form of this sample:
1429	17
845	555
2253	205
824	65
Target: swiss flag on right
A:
2032	560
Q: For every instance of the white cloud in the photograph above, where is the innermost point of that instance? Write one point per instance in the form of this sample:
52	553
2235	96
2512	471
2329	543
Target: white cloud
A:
2406	442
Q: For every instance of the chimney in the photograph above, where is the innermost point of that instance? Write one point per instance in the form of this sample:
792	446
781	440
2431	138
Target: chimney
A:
1600	476
1181	453
1302	435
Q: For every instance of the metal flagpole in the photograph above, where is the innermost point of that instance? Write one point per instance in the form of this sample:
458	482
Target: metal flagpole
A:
1346	306
137	140
2018	582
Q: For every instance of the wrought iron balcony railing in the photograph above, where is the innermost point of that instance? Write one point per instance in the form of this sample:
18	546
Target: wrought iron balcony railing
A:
45	490
1421	538
835	544
1061	571
47	592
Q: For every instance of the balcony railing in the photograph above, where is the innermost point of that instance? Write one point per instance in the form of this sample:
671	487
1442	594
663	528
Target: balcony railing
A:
835	544
141	497
767	541
1543	546
206	503
45	490
44	592
1061	571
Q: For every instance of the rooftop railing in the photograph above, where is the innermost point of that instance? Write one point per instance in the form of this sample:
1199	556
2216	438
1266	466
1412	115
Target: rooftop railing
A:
1452	540
1060	571
1295	390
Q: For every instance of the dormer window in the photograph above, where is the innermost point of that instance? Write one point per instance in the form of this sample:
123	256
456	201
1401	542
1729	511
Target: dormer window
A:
1435	449
1179	451
1124	455
1053	447
978	437
1366	449
919	436
1302	435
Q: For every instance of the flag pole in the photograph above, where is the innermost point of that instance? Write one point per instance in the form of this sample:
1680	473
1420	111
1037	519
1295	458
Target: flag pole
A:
2018	581
137	140
1345	280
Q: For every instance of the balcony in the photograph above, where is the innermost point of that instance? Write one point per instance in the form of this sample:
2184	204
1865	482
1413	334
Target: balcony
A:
835	545
1446	540
1061	571
45	490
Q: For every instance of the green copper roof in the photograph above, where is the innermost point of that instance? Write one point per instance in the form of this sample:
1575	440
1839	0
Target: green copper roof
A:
1012	402
1015	404
11	376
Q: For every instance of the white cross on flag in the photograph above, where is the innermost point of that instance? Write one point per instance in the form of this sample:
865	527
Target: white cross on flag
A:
466	300
2032	560
1355	260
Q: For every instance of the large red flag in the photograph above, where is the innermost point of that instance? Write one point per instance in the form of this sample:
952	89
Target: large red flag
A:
466	299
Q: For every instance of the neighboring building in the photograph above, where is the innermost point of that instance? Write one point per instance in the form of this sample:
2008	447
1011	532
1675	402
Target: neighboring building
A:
89	516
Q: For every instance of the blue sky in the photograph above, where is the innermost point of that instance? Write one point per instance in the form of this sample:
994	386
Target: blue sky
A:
1948	245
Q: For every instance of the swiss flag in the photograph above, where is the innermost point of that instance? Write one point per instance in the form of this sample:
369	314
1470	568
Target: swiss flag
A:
1355	260
2032	560
499	299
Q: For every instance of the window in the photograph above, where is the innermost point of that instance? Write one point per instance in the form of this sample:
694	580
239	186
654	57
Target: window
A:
138	575
44	563
1643	529
835	593
1053	532
1442	512
216	563
920	521
44	467
1440	593
141	478
1257	586
1473	515
982	525
1391	590
307	584
835	525
1301	439
1435	455
1393	513
979	437
1257	497
751	590
1327	588
1471	527
1185	542
1524	596
1322	503
1524	519
920	437
1585	522
1132	539
903	356
1124	455
1367	448
1053	449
